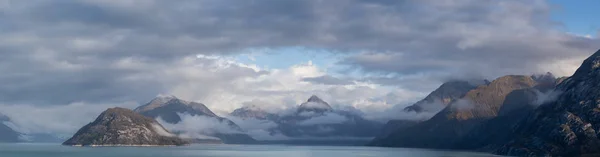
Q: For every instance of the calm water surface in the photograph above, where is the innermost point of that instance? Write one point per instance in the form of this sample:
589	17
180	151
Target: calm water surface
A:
56	150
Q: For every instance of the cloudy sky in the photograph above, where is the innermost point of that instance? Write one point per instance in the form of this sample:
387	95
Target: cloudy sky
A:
67	60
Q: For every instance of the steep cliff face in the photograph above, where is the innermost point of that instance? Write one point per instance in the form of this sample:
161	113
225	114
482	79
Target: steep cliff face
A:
447	127
568	126
123	127
169	108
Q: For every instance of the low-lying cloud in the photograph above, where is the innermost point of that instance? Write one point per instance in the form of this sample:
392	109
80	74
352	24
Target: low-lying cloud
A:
199	127
546	97
259	129
327	118
161	131
462	104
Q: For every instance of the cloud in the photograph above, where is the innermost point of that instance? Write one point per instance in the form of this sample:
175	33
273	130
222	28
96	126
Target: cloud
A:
328	80
62	120
259	129
460	37
161	131
397	113
201	127
327	118
546	97
462	104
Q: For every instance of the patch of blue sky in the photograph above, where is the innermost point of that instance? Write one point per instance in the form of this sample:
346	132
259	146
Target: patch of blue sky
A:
285	57
579	17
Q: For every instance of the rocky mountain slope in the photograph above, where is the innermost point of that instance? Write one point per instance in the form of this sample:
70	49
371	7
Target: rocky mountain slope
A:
432	103
568	126
447	127
442	96
518	104
169	108
123	127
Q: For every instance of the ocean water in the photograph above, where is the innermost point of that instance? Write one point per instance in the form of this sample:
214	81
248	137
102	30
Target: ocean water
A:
56	150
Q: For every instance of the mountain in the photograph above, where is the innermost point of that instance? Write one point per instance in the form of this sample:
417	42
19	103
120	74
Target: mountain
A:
432	103
568	126
123	127
7	134
518	104
314	104
393	125
316	122
253	112
442	96
316	118
447	127
169	108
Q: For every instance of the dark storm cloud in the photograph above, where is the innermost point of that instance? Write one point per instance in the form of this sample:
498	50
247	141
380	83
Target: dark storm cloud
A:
57	52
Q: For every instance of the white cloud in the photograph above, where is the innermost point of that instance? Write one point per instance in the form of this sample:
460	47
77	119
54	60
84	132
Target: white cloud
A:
259	129
161	131
546	97
199	126
462	104
327	118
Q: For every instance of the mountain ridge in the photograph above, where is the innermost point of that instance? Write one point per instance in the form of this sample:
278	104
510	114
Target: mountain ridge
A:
123	127
448	126
567	126
169	109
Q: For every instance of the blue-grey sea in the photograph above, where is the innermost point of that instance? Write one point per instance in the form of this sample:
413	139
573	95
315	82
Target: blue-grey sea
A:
57	150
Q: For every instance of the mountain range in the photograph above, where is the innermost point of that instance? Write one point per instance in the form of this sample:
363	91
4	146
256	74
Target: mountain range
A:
170	109
446	129
516	115
315	122
566	126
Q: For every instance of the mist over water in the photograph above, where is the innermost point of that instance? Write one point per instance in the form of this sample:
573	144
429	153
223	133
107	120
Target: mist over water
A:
56	150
